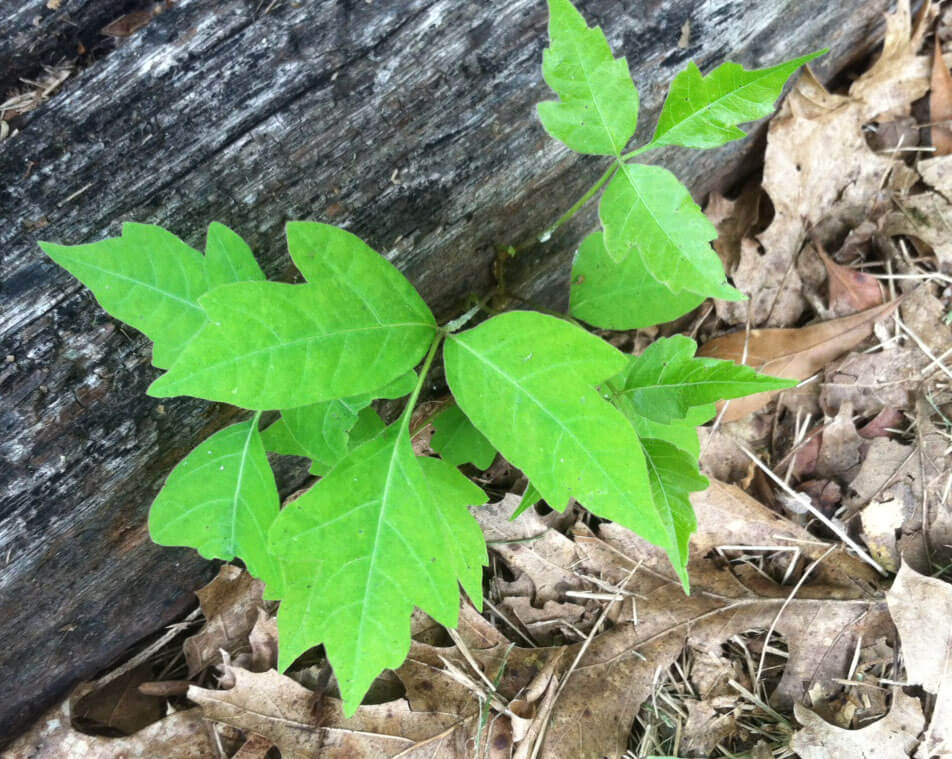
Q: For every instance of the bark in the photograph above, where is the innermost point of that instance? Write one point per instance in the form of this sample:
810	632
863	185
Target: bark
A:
410	122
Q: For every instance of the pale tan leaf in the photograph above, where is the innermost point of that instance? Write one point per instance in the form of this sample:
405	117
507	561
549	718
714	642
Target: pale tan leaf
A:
791	353
927	217
181	735
899	76
936	172
921	607
300	724
892	737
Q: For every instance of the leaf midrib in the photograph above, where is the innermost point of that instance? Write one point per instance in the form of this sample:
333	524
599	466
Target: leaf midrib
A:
514	382
704	109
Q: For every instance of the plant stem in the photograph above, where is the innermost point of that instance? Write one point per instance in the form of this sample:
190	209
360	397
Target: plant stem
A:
427	363
580	202
637	152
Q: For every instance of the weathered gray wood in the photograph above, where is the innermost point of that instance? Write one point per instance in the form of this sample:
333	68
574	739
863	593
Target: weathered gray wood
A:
411	122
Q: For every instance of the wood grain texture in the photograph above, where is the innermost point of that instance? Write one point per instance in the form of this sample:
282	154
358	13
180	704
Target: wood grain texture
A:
410	122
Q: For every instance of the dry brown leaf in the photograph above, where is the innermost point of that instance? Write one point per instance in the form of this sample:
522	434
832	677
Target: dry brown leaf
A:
819	169
734	220
940	103
881	522
553	618
118	706
230	604
181	735
791	353
873	381
821	626
928	218
705	728
287	714
921	607
850	290
892	737
841	449
899	76
256	747
883	424
264	642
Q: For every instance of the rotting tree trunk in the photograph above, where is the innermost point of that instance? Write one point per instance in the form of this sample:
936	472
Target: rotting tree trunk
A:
410	122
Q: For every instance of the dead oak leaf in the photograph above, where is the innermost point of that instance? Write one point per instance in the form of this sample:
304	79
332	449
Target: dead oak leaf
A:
892	737
181	735
230	603
289	715
921	607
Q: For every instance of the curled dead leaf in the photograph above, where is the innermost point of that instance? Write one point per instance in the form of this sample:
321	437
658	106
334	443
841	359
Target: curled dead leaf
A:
850	290
940	103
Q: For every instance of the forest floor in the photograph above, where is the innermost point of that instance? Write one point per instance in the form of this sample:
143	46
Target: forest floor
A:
818	622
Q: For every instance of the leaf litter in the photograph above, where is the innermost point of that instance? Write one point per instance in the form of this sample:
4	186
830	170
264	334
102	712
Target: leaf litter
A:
823	553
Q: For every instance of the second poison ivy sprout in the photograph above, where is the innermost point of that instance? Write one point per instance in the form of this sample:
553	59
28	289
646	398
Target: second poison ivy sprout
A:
385	530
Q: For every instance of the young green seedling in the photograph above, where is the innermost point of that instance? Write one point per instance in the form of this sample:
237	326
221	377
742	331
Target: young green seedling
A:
385	530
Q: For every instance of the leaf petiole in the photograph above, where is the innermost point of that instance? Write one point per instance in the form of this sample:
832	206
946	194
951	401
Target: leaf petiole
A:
425	369
609	173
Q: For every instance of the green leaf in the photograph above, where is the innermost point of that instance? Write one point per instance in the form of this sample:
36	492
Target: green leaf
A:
228	258
269	345
221	499
666	380
453	493
384	549
319	431
647	212
624	295
530	498
674	474
458	441
598	111
703	111
147	278
681	434
368	426
527	382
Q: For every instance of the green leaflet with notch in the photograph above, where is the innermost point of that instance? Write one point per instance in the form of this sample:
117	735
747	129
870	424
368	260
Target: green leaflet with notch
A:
375	563
147	278
221	500
321	431
673	475
647	212
621	295
598	111
704	111
458	441
665	381
228	258
268	345
527	381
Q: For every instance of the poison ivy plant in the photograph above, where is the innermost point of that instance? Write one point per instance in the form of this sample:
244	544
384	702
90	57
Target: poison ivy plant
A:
385	530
